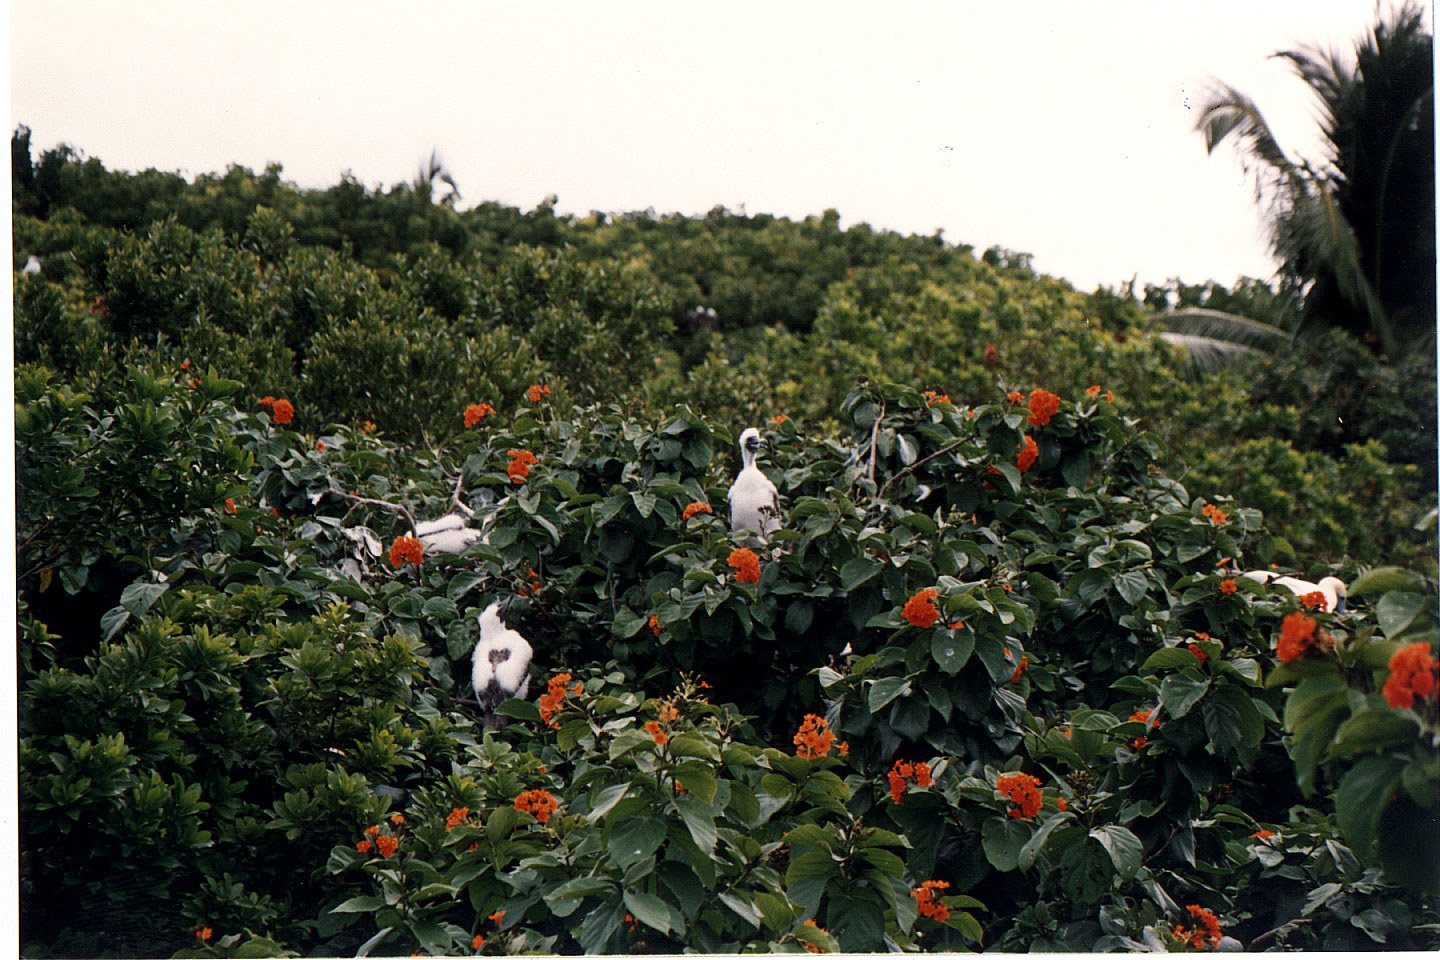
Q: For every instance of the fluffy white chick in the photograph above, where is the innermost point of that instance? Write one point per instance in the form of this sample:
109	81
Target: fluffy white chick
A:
501	662
449	534
754	501
1331	588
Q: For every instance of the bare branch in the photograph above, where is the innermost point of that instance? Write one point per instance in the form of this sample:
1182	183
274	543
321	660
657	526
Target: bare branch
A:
353	498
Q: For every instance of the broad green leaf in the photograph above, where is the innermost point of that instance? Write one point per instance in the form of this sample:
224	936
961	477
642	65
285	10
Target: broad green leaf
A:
1124	847
1002	839
1372	730
1385	579
1363	795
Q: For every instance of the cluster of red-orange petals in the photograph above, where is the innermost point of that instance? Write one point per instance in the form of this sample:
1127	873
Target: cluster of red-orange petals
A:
540	803
904	771
455	817
1206	934
538	390
1199	652
1023	792
697	506
660	736
406	549
814	738
1216	515
1140	716
779	418
1261	835
934	397
812	948
1414	675
654	624
926	903
1029	452
520	463
1312	600
1015	396
1043	406
746	564
1020	668
1228	586
204	933
477	941
920	609
533	587
557	689
1299	636
476	412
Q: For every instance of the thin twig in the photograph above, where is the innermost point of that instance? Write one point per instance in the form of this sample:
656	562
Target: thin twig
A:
455	496
916	466
875	432
1283	928
335	489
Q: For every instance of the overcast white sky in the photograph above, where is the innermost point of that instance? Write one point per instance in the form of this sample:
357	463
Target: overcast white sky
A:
1061	129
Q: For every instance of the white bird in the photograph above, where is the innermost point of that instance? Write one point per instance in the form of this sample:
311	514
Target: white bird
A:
449	534
501	662
1331	588
754	501
32	265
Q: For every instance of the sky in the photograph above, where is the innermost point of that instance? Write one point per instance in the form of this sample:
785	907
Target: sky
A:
1060	129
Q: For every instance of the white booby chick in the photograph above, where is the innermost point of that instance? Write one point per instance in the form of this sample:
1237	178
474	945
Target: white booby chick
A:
1331	588
754	501
32	265
501	662
449	534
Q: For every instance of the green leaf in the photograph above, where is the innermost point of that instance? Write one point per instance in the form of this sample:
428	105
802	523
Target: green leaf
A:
360	905
519	709
699	821
1363	795
501	821
577	887
737	902
648	909
138	598
1131	585
635	838
1167	658
1026	857
1396	611
1002	839
1178	693
606	799
697	780
884	690
1385	579
951	649
1124	847
857	571
1372	730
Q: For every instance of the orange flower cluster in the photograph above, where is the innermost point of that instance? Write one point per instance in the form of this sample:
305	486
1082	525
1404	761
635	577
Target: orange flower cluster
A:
1029	451
476	412
368	426
1262	835
926	903
406	549
779	418
1043	406
538	802
1228	586
397	818
387	845
1015	396
1414	674
1023	792
903	771
204	933
455	817
746	564
920	609
1216	515
477	941
497	918
654	624
814	738
520	463
698	506
538	390
1093	390
1298	635
533	587
1312	600
1140	716
363	846
1020	668
1206	933
934	397
229	505
1200	654
284	411
660	736
550	700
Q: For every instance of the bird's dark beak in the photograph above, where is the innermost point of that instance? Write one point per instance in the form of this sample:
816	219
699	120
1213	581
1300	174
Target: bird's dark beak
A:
1339	604
505	605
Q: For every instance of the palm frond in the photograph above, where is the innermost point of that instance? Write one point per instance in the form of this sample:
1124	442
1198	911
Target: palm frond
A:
1230	111
1225	327
1207	355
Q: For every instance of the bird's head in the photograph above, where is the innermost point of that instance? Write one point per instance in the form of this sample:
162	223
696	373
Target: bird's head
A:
491	621
751	441
1337	585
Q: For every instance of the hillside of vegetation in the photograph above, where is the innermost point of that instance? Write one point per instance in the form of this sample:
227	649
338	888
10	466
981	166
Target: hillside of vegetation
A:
996	682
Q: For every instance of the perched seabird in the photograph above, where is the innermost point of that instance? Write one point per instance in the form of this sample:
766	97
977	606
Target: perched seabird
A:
449	534
501	662
32	265
754	501
1331	588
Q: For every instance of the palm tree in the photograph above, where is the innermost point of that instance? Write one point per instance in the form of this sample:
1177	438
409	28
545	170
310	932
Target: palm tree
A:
1356	228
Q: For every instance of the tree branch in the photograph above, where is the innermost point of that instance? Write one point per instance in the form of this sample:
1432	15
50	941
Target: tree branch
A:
916	466
353	498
